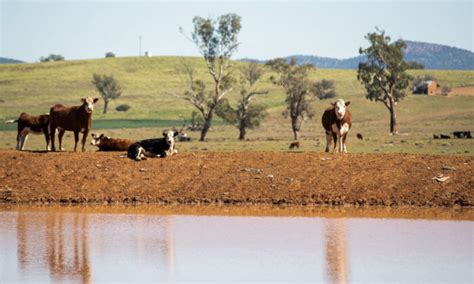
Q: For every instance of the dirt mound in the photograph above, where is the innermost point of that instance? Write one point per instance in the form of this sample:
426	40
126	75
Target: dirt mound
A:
237	178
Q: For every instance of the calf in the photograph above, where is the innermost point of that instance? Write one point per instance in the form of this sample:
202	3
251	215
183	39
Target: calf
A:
76	118
30	124
294	145
106	143
158	147
337	121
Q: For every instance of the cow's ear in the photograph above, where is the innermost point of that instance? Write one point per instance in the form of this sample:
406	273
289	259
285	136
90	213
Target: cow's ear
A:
165	132
348	103
175	133
333	103
83	100
93	135
96	99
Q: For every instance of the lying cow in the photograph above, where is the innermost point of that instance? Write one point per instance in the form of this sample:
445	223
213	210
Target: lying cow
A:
30	124
337	121
159	147
76	118
105	143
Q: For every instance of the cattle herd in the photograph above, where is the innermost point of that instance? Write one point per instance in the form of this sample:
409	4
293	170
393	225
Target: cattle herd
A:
336	120
78	119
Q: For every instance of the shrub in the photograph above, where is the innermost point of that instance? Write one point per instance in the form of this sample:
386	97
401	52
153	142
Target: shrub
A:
122	107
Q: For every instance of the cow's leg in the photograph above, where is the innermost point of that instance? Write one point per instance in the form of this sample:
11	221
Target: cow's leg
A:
18	141
46	136
344	149
84	138
341	144
328	141
52	132
60	138
76	139
24	137
334	138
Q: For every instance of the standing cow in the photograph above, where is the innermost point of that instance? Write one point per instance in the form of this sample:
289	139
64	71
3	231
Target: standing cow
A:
337	121
76	118
30	124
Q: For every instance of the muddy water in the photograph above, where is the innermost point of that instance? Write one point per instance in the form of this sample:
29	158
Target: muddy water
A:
137	244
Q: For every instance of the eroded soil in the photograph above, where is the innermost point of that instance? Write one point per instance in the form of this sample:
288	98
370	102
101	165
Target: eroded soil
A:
238	178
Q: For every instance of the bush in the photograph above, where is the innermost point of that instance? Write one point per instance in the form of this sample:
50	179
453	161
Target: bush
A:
109	54
123	107
52	57
325	89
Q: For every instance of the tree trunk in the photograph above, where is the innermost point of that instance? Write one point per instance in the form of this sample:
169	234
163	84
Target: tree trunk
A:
296	128
242	133
106	104
393	119
206	126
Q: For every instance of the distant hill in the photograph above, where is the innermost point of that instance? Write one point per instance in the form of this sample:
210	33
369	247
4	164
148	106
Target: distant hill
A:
4	60
432	56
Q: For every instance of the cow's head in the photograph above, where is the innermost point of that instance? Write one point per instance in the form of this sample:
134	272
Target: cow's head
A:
88	103
170	135
340	107
97	140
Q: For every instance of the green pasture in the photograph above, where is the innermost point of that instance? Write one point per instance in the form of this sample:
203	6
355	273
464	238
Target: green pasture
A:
34	88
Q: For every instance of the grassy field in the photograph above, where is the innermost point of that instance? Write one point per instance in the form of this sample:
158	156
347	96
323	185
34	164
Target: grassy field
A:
34	88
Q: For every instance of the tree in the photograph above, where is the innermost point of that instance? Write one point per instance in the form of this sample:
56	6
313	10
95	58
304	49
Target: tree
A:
108	88
325	89
216	41
109	55
413	65
52	57
246	115
384	73
298	88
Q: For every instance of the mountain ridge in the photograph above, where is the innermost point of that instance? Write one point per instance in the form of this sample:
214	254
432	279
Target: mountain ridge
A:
431	55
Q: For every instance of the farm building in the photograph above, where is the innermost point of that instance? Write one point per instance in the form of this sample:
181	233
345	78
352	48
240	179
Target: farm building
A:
426	88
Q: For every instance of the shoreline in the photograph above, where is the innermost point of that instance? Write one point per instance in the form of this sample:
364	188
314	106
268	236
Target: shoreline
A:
238	178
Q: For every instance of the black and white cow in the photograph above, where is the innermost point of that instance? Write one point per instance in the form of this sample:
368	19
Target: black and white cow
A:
337	121
158	147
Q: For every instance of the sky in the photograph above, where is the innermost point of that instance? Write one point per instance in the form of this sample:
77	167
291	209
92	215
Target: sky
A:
270	29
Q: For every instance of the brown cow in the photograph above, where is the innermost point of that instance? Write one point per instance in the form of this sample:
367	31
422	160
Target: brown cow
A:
76	118
106	143
337	121
30	124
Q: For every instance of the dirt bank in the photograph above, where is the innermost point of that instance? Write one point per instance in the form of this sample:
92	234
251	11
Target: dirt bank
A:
238	178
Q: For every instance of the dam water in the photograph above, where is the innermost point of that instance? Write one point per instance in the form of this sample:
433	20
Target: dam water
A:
220	244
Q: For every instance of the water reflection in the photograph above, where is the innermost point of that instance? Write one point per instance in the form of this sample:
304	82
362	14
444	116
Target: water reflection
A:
94	245
59	243
336	254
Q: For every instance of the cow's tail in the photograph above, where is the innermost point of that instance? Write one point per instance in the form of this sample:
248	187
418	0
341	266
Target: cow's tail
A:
11	121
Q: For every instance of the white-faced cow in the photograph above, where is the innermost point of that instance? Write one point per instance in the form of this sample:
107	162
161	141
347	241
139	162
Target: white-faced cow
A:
337	121
105	143
158	147
30	124
76	118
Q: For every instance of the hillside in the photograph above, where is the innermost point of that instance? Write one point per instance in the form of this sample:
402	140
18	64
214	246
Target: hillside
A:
432	56
35	87
4	60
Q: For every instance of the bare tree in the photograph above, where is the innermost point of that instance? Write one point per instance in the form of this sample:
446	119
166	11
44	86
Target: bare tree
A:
294	79
246	115
216	41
